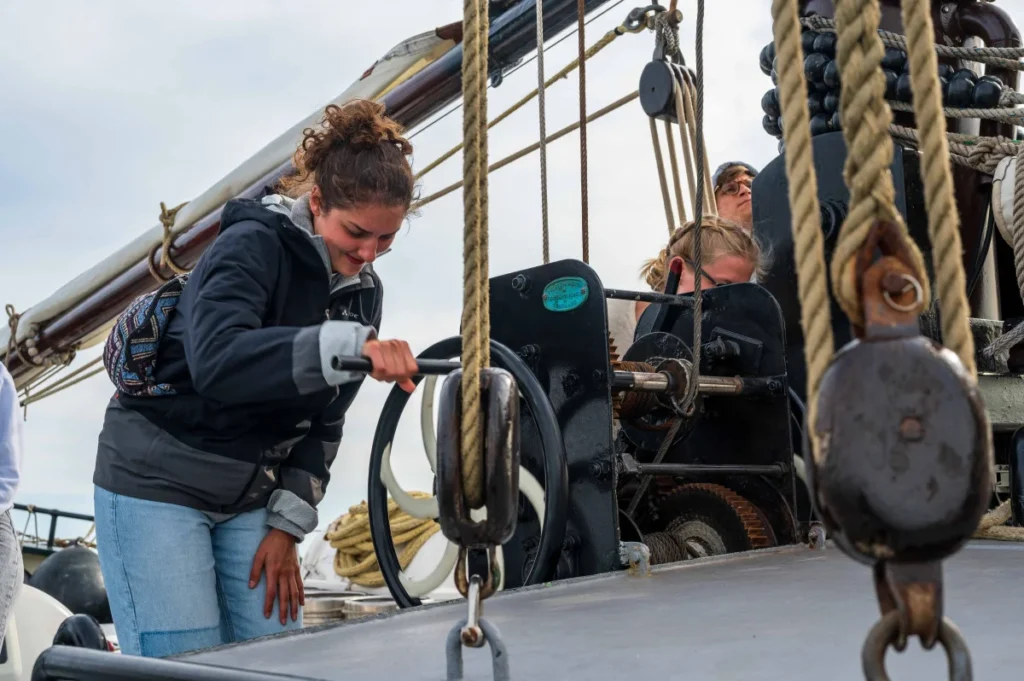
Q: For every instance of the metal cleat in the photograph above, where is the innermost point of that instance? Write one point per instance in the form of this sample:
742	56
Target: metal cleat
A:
636	556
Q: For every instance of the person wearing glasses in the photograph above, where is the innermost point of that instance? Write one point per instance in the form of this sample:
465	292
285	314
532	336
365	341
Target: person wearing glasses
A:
732	182
205	483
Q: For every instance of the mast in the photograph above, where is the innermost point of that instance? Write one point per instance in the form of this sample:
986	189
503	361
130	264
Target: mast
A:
512	36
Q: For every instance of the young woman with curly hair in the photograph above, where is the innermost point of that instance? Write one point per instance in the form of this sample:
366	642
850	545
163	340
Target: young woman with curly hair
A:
202	496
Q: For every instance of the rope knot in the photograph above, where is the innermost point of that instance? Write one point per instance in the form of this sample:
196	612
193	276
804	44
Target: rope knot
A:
13	322
983	156
167	218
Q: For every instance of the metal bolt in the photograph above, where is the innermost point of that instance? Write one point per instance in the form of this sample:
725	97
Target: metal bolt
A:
911	429
520	283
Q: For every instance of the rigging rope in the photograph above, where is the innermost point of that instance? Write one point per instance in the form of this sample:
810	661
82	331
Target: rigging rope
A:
979	153
689	399
604	42
584	198
65	382
508	160
476	326
677	184
545	246
943	218
663	181
1004	57
866	118
350	537
167	218
808	243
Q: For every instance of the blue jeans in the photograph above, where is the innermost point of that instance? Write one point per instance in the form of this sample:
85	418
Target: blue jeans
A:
176	580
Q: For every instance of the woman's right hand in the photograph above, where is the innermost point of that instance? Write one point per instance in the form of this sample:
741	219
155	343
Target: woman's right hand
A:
392	361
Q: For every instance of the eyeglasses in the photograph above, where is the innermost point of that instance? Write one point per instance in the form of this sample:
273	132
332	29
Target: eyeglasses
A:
733	188
704	274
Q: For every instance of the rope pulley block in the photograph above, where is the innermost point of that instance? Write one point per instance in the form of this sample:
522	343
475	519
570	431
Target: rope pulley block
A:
498	474
489	485
659	77
902	479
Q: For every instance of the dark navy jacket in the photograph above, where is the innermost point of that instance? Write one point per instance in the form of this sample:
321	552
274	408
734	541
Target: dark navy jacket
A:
258	417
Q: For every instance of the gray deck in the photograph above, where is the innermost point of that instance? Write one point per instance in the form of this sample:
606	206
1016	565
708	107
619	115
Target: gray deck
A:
789	614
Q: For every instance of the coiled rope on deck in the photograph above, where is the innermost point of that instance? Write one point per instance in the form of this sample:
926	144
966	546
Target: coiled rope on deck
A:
350	536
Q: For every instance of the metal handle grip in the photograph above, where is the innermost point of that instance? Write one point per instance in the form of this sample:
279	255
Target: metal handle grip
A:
436	367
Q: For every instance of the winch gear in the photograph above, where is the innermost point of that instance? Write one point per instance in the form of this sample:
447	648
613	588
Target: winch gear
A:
706	519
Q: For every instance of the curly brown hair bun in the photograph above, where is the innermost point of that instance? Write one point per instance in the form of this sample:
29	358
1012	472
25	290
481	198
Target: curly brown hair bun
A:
356	156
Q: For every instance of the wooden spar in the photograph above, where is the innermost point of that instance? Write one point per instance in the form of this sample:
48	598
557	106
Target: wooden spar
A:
513	35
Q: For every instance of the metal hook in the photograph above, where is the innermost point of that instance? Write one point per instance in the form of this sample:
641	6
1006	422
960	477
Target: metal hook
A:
491	636
886	631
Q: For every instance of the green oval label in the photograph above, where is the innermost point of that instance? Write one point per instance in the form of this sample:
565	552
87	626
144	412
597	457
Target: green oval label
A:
565	294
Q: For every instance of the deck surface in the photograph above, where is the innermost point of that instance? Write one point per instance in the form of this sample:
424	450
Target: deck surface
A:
789	614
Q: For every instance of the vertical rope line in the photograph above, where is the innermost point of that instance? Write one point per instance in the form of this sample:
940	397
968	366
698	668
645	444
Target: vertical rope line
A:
686	139
866	119
475	309
698	216
660	163
584	198
674	164
808	243
943	219
545	246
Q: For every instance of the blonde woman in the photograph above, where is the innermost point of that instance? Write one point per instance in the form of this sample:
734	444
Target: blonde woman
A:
729	255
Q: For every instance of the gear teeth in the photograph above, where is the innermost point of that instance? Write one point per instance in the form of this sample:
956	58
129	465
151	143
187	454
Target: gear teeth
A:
759	534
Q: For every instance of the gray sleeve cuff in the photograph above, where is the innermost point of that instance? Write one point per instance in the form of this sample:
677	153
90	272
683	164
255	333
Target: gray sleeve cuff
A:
341	338
288	513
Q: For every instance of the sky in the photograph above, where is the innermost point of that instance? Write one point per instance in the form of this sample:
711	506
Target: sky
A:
110	107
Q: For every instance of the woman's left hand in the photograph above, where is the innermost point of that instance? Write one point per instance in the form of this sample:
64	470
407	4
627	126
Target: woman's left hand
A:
277	554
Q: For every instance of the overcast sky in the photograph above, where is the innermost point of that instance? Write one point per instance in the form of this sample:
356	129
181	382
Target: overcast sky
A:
110	107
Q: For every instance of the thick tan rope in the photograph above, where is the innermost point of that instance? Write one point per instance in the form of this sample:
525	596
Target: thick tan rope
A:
604	42
476	349
866	119
350	537
808	244
581	9
525	151
943	219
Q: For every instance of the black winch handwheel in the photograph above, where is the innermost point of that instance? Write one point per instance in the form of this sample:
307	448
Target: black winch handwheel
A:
556	476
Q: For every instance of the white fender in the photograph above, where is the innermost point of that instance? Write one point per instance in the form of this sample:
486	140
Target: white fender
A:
1003	180
30	631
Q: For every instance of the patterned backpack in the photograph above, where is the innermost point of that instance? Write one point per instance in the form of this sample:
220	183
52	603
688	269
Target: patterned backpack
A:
129	355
